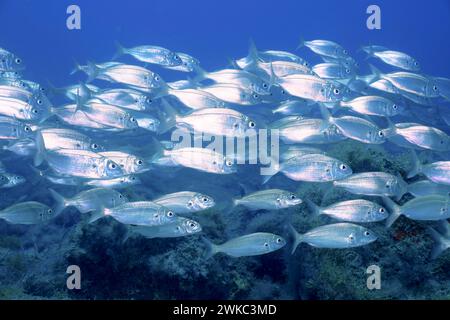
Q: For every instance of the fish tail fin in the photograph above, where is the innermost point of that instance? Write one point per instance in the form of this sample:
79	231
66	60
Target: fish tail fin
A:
390	130
77	67
252	51
39	156
301	43
298	238
91	71
120	50
394	209
232	64
97	214
441	243
376	73
314	208
202	74
61	202
416	165
267	177
211	248
327	117
168	119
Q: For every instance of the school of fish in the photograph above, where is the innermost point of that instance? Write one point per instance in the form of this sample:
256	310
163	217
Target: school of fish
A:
311	106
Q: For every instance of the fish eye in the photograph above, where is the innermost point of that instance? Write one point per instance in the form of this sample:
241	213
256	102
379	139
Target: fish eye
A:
156	78
35	111
27	128
278	240
192	225
366	233
351	237
381	210
139	162
380	133
251	124
148	100
120	196
169	213
133	178
132	119
344	51
443	210
347	70
265	85
255	96
228	163
416	63
49	211
18	61
283	92
336	91
435	88
394	107
293	196
94	146
205	199
266	245
112	165
39	102
190	203
343	167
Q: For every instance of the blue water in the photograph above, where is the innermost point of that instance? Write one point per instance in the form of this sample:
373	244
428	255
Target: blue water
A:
214	32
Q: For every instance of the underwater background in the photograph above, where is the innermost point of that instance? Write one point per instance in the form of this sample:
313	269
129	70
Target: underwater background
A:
34	259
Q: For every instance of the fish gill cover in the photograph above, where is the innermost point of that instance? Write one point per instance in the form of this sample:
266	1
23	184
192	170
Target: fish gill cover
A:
194	150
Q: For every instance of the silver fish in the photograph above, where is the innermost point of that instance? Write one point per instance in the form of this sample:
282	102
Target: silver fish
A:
197	98
185	201
196	158
310	131
249	245
397	59
420	135
89	200
109	115
30	212
271	199
180	228
217	121
131	75
125	98
356	128
83	164
241	78
128	162
115	183
59	138
141	213
233	94
413	83
23	110
427	188
374	184
314	168
374	105
351	210
326	48
310	87
428	208
151	54
337	236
